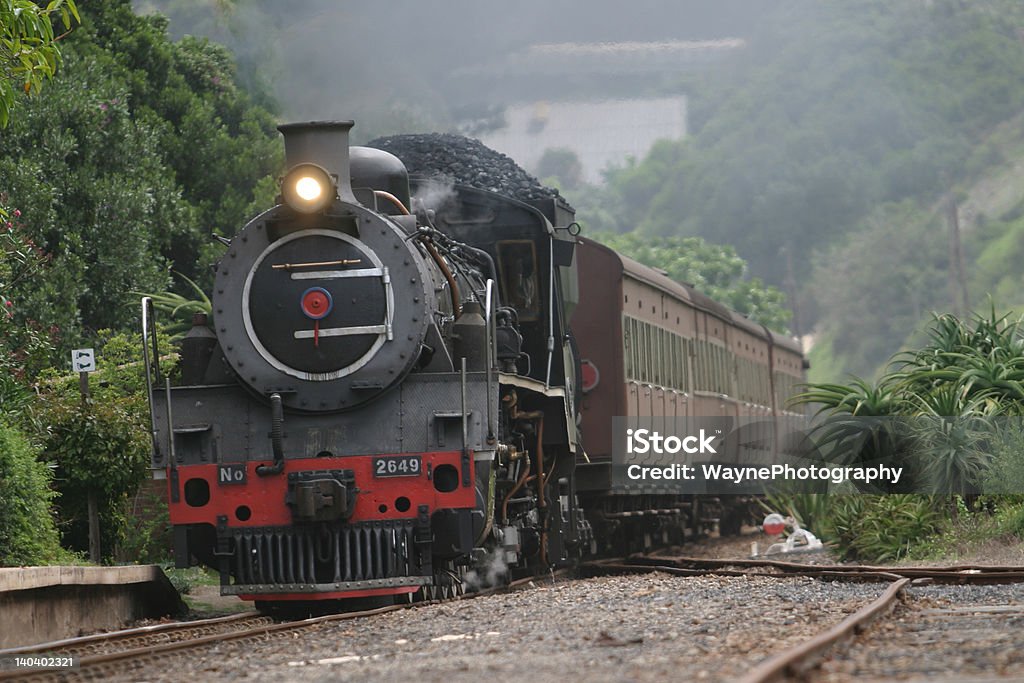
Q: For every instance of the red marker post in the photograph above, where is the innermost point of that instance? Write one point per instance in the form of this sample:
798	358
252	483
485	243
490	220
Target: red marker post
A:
774	524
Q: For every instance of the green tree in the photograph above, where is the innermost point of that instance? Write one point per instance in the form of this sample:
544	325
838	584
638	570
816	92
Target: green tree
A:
715	270
948	412
563	165
875	287
138	150
834	135
100	445
28	47
27	531
830	111
25	343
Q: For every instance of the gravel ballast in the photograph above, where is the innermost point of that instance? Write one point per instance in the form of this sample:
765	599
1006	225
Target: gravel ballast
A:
940	633
650	627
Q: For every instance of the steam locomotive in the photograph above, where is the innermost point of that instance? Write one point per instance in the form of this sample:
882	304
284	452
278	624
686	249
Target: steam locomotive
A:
390	398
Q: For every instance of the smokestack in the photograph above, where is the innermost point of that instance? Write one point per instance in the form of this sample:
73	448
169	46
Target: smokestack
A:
324	143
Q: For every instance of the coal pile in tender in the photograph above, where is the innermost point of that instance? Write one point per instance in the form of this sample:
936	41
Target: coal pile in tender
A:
465	161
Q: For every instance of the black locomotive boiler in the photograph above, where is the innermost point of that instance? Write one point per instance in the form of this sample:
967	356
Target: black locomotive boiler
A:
389	398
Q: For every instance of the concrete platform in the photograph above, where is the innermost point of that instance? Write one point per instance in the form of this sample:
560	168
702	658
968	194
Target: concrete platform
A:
39	604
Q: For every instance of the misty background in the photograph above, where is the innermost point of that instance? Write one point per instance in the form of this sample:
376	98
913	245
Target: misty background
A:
866	157
405	64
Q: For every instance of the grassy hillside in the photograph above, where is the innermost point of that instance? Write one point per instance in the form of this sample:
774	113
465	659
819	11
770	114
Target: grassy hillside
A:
829	151
904	253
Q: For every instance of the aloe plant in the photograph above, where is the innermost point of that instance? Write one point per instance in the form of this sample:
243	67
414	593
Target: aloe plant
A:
938	411
179	309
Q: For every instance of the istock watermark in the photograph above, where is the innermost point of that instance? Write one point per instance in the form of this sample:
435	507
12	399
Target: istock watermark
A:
879	474
647	441
721	455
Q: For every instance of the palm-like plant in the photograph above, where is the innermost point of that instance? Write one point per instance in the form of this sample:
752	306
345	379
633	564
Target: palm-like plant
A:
856	398
937	411
180	309
950	430
939	399
859	424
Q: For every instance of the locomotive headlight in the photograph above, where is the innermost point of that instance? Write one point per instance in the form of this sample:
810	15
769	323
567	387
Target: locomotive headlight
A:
308	188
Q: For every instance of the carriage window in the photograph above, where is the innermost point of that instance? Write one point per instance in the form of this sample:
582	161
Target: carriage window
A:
686	365
720	370
517	260
627	343
723	376
634	349
701	364
673	366
646	348
659	358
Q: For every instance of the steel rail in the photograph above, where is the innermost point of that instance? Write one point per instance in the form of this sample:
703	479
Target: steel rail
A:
796	660
812	571
54	647
267	629
947	574
778	569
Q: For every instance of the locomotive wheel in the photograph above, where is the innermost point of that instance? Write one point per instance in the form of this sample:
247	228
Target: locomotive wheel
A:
730	523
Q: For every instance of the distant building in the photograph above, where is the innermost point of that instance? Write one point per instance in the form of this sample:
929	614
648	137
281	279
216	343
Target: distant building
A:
600	133
592	98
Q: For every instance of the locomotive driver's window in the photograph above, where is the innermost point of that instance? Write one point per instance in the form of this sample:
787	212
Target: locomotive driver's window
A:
517	260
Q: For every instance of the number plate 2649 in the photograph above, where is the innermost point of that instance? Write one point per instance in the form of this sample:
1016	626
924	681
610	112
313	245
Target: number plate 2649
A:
397	466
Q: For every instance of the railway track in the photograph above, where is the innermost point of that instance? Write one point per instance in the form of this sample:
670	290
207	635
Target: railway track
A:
907	635
690	566
140	637
873	641
966	636
937	634
797	661
100	654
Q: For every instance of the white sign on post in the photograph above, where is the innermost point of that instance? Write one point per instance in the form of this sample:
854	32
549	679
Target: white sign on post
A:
83	360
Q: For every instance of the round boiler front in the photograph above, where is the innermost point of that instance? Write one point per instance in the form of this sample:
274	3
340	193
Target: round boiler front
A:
328	313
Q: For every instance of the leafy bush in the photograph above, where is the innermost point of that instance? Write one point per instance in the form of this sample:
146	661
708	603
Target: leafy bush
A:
100	445
1005	472
147	531
184	580
948	399
28	534
862	527
992	520
1011	520
882	528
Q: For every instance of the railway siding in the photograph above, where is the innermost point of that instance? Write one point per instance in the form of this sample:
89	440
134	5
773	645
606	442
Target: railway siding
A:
940	633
